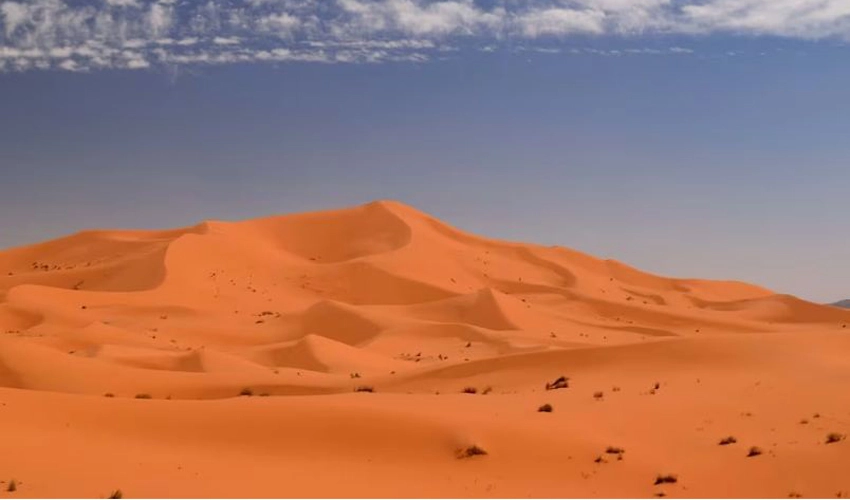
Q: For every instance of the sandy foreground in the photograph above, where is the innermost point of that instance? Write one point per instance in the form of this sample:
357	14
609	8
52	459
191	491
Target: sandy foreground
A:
123	355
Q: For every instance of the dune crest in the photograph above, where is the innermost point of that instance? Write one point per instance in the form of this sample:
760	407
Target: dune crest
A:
351	276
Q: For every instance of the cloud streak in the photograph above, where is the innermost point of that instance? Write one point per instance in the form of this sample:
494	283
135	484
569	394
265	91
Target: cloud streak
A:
82	35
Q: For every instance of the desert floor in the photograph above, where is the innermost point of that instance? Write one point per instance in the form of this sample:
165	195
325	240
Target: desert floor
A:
232	360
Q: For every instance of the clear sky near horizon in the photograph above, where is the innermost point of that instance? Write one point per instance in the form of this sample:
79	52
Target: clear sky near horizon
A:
691	143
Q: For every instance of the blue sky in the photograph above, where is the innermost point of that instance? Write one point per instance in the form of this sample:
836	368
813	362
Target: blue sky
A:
694	139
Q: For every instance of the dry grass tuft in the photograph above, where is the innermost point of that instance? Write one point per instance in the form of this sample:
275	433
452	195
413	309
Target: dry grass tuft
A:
728	440
559	383
471	451
754	451
666	479
834	437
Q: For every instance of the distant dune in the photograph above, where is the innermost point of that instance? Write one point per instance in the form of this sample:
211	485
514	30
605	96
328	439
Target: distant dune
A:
842	303
363	352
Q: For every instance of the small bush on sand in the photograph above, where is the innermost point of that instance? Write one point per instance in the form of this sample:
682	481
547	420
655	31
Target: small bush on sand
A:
834	437
666	479
728	440
471	451
246	392
109	395
364	388
754	451
598	395
547	408
13	486
614	450
143	396
470	390
116	494
487	390
559	383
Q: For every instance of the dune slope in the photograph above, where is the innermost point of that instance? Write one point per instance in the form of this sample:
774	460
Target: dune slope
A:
359	352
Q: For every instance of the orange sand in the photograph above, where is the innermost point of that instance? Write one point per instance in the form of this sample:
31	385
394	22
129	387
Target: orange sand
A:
296	307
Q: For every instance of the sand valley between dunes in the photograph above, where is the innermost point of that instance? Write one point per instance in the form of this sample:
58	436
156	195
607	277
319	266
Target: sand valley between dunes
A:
379	352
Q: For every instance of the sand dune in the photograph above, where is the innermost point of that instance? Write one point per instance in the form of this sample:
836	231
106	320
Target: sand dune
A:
335	354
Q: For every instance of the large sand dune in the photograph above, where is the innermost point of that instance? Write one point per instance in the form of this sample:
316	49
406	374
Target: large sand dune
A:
123	355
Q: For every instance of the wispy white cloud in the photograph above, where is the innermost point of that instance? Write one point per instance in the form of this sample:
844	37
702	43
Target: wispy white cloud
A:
82	35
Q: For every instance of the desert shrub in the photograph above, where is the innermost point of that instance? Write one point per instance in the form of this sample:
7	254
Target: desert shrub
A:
143	396
470	390
13	486
614	450
834	437
728	440
364	388
598	395
666	479
471	451
559	383
246	392
547	408
754	451
116	494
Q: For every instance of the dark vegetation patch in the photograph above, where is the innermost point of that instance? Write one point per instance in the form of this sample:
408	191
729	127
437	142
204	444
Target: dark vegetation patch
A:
559	383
